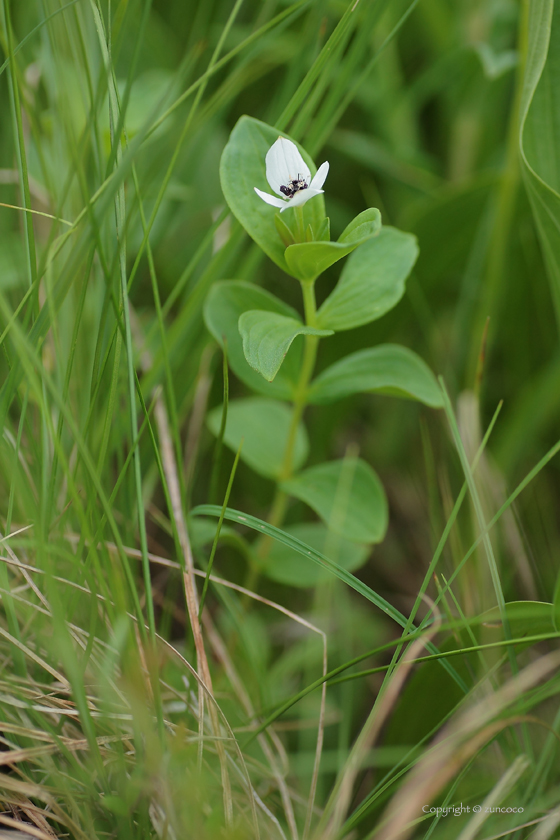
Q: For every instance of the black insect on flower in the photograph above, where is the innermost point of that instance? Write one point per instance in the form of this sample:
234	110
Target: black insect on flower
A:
294	186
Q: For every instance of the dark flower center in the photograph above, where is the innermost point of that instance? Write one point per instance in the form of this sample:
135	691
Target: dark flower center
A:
294	186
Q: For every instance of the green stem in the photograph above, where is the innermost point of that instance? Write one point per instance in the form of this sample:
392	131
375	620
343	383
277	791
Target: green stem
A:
300	224
309	304
280	502
300	401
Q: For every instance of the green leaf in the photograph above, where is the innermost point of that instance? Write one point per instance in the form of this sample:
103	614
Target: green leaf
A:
372	281
540	132
242	168
284	232
363	227
284	565
267	337
307	260
387	369
525	618
202	532
264	425
347	495
225	303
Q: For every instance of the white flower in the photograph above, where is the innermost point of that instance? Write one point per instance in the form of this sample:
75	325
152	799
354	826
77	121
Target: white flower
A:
289	176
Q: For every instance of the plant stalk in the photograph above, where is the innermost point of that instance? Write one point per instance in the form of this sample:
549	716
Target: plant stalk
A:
280	502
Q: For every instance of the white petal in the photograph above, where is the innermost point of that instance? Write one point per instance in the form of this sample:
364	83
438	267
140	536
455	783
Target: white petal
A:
300	198
320	177
270	199
284	164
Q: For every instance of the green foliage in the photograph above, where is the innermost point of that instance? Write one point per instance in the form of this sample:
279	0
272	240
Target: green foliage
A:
526	618
362	227
307	260
309	554
264	427
284	565
540	132
226	303
386	369
267	337
372	282
347	495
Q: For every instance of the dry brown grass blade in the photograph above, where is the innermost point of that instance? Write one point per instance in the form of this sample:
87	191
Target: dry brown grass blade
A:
222	655
492	490
27	789
198	414
173	485
50	743
238	686
172	478
44	833
19	802
340	798
33	656
458	741
218	714
191	596
10	757
15	560
524	825
60	706
221	652
173	564
496	795
547	828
